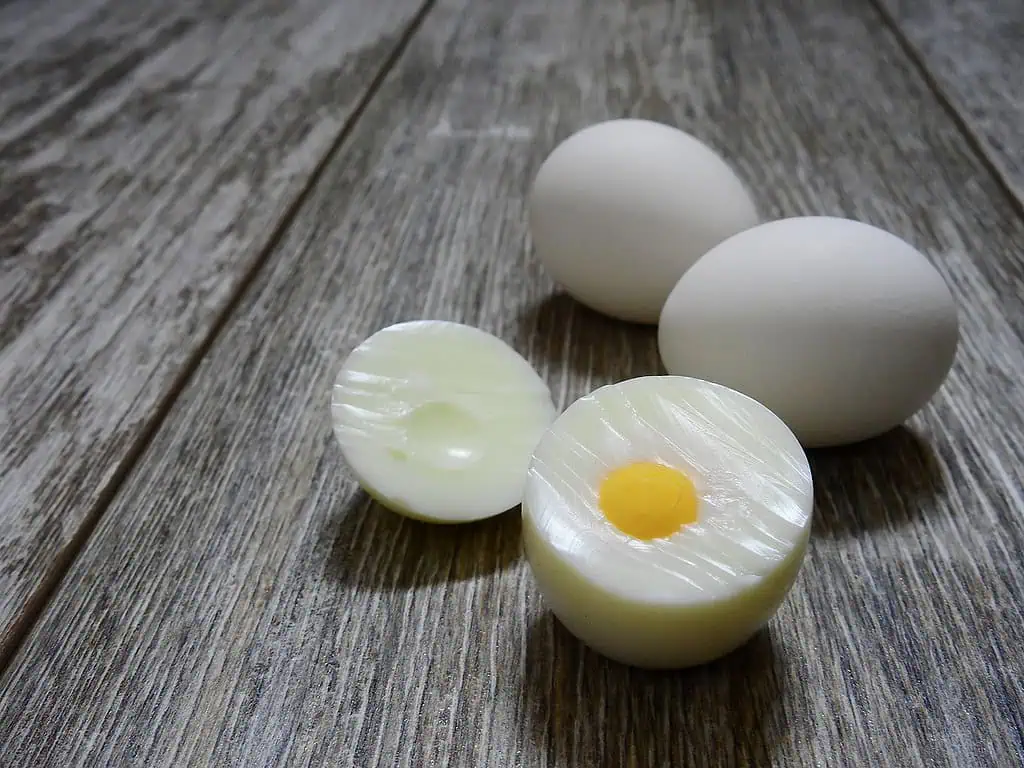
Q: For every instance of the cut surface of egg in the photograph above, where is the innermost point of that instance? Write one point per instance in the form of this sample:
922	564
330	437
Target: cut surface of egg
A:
437	420
621	209
666	518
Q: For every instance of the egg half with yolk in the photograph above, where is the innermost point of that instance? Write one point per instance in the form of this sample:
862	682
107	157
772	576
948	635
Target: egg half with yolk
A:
438	420
666	518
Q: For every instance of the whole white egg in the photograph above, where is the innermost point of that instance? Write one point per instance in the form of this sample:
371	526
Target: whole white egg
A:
665	519
619	211
842	329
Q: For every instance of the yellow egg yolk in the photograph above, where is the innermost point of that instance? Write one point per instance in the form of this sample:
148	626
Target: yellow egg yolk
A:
648	500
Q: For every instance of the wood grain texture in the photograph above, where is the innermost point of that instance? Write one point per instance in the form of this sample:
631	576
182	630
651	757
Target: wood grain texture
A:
975	53
244	595
147	152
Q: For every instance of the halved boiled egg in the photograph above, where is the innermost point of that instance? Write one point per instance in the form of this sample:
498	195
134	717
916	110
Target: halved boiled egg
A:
665	519
437	420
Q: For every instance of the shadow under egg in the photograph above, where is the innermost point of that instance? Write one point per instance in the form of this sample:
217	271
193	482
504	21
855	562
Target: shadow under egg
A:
590	347
587	710
372	547
887	481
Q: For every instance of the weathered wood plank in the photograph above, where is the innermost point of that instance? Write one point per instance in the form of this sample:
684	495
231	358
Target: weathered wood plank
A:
244	595
148	152
974	50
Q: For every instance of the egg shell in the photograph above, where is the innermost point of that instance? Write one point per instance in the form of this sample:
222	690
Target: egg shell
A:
699	593
842	329
621	209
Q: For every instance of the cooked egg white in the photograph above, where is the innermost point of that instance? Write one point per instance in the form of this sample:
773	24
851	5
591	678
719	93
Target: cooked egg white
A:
438	420
665	519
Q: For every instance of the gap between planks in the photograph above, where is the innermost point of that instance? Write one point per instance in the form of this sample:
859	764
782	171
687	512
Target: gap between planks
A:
972	136
37	602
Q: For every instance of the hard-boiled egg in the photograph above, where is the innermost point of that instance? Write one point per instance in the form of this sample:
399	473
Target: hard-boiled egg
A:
621	209
666	518
842	329
438	420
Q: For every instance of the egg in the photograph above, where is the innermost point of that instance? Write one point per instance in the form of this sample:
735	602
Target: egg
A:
842	329
438	420
665	519
621	209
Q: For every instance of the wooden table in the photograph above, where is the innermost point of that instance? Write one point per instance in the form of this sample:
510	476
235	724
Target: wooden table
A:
207	203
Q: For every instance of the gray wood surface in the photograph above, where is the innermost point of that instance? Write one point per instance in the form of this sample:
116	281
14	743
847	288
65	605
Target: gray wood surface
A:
148	151
242	603
974	51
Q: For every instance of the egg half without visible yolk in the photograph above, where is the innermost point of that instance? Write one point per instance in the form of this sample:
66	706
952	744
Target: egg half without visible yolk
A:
665	519
438	420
